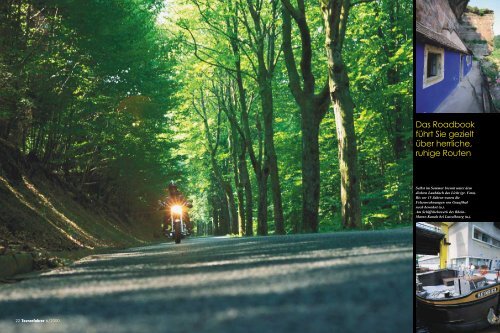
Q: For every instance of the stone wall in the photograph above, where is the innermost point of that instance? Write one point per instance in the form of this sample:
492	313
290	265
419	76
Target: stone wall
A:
458	6
438	14
477	32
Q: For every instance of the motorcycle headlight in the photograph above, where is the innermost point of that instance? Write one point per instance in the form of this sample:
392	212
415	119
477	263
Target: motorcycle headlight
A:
176	209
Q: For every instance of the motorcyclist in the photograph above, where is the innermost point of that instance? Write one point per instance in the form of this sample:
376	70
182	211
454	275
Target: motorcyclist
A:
175	197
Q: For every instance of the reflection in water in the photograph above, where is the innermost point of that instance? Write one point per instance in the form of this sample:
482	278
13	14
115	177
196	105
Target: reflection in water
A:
421	328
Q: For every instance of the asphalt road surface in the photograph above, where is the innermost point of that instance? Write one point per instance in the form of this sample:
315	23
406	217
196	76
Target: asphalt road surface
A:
343	282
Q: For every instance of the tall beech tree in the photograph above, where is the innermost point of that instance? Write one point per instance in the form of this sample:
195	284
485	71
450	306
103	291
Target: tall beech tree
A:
257	43
262	39
336	16
312	106
213	145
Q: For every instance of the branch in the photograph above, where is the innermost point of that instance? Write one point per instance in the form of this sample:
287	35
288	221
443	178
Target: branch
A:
250	103
253	40
252	63
196	109
228	110
207	21
291	65
217	137
293	12
360	2
299	17
346	6
322	100
255	13
276	60
324	94
215	64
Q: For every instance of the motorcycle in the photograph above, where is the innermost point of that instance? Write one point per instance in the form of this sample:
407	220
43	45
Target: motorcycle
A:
177	228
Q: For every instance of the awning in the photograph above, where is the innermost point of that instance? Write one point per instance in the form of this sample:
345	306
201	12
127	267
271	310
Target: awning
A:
428	239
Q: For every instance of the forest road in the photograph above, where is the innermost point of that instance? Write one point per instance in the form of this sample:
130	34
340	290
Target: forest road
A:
313	283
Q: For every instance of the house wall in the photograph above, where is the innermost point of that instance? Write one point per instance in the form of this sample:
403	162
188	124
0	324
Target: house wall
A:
428	99
482	250
459	237
463	244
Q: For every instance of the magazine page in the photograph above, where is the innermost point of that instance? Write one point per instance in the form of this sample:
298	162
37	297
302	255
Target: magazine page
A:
457	59
220	166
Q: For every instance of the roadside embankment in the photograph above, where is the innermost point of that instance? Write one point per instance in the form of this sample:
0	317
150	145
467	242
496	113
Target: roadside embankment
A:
43	218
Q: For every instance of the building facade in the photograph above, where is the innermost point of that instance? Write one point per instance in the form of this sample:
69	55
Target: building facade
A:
442	59
474	243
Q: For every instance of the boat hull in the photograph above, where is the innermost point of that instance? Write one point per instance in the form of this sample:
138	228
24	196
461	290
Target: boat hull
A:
464	314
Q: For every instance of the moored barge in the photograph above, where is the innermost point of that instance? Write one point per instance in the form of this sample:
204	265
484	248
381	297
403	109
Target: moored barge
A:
456	301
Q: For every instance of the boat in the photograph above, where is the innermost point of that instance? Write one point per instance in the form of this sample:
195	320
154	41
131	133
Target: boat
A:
450	300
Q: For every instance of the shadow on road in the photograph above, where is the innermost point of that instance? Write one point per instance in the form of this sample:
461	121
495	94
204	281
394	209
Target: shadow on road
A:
347	282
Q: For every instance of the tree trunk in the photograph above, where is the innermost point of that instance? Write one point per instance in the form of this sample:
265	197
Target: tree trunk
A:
312	107
335	15
232	226
343	107
224	219
399	142
262	206
310	171
248	201
245	179
264	49
229	209
259	176
247	191
270	153
238	228
215	214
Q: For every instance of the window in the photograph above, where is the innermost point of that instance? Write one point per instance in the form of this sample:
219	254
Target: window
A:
433	61
477	234
485	238
433	65
457	262
478	262
469	60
